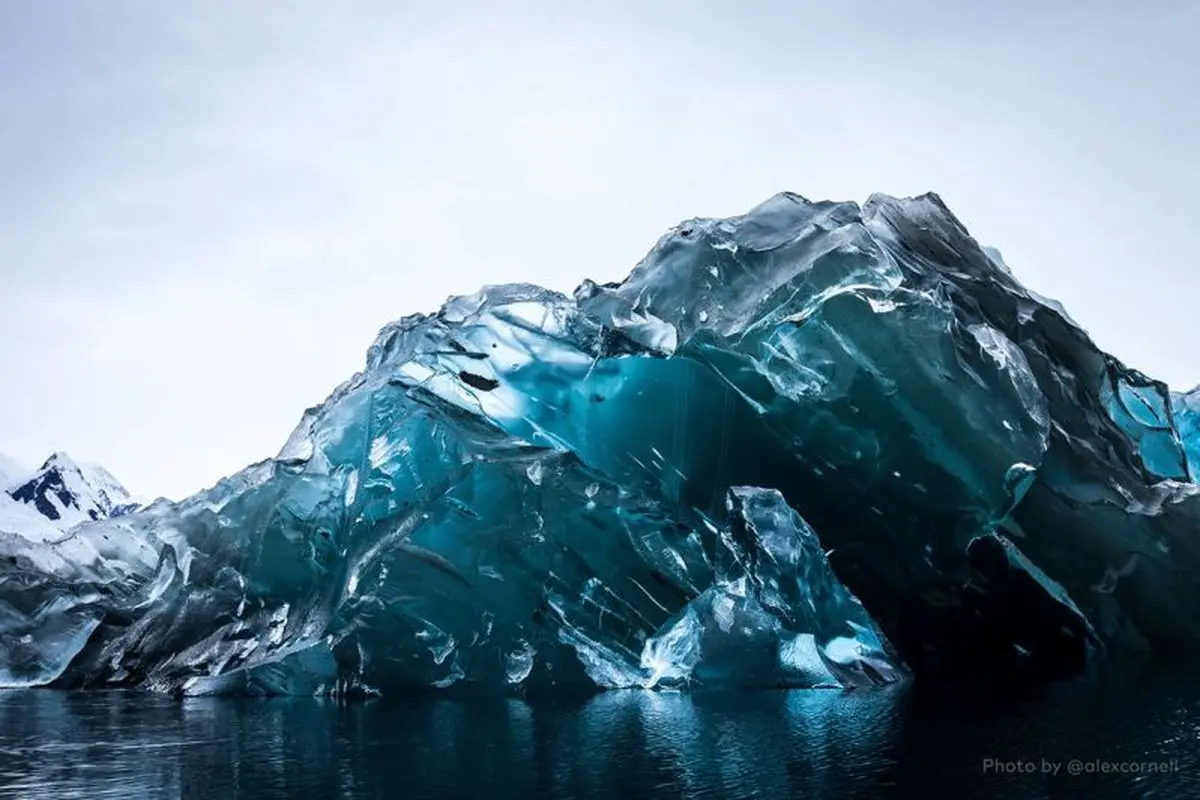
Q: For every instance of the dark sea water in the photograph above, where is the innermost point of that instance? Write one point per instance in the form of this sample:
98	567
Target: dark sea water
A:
1136	735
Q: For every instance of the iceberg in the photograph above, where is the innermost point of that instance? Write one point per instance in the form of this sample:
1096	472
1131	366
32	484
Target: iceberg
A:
819	444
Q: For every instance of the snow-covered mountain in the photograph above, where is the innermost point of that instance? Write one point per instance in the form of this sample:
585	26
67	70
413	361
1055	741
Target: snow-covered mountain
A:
63	494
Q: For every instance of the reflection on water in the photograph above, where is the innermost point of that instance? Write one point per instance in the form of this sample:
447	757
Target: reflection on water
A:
899	742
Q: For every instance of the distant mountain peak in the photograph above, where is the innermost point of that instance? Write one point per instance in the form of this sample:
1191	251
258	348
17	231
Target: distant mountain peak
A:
60	460
68	493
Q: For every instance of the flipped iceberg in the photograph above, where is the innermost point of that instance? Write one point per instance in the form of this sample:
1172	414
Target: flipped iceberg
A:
617	489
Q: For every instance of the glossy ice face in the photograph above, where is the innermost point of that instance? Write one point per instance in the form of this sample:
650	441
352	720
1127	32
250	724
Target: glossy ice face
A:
1187	417
802	447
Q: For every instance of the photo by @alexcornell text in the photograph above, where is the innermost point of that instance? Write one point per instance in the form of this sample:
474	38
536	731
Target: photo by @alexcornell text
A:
1077	766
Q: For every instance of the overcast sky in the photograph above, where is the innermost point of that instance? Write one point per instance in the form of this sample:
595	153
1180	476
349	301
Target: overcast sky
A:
208	209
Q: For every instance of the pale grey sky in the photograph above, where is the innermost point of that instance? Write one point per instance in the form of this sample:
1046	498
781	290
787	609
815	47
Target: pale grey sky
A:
208	209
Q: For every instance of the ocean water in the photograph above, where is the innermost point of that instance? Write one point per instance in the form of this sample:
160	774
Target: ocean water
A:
1130	735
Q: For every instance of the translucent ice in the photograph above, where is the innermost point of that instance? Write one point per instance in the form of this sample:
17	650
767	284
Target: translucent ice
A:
800	447
776	616
1187	415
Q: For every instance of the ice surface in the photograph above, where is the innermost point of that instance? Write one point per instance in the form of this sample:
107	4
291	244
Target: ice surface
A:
808	446
777	615
1187	416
